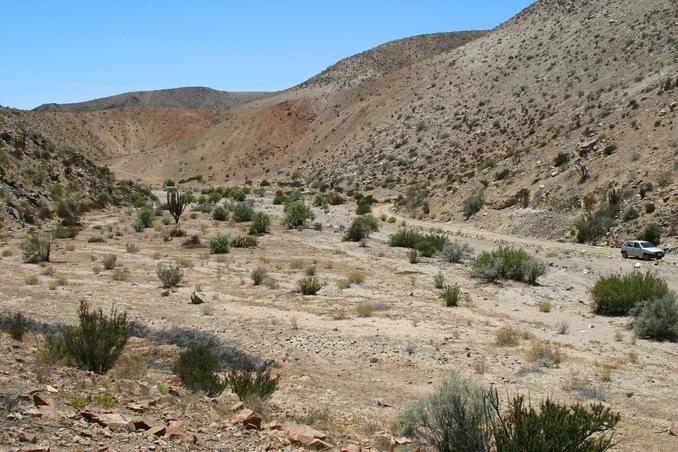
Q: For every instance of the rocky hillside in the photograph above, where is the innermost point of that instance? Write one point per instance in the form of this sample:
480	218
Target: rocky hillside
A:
40	180
546	116
388	58
189	97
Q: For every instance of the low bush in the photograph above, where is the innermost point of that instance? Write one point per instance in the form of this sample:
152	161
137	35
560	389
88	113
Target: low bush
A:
169	273
242	212
258	275
220	213
553	427
309	285
256	384
451	419
361	228
261	224
296	214
36	248
544	354
219	244
16	326
658	318
427	244
109	261
66	232
450	295
593	226
561	159
507	336
652	233
413	256
197	370
95	344
192	242
473	204
620	294
244	241
507	263
455	251
145	217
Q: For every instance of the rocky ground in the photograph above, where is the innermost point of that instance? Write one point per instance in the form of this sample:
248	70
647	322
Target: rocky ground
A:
350	359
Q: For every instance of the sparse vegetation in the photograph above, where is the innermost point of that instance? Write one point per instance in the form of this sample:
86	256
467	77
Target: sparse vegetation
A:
456	251
258	275
244	241
427	244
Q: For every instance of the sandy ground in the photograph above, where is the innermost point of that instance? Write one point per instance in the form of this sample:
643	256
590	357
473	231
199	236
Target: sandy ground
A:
353	374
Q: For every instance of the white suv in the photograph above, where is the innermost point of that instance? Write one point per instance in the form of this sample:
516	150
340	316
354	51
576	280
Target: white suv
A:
641	249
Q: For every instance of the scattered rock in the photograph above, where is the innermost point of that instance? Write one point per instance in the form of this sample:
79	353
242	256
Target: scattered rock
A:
247	419
198	297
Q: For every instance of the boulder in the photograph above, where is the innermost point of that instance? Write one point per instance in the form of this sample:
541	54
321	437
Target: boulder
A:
248	419
198	297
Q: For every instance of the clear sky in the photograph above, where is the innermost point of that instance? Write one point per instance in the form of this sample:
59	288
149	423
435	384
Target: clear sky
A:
70	51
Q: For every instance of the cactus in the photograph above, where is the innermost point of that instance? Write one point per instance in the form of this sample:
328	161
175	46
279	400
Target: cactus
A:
176	203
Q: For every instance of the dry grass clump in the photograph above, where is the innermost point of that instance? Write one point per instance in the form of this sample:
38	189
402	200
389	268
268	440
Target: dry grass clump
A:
109	261
355	277
32	280
507	336
297	264
184	262
132	248
364	310
343	284
544	306
544	354
120	274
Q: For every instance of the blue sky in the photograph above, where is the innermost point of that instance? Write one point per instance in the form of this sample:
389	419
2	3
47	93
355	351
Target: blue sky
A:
69	51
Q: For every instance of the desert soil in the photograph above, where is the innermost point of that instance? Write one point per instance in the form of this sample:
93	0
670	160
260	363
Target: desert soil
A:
345	374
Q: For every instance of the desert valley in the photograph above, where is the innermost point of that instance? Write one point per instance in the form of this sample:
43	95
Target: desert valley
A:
415	249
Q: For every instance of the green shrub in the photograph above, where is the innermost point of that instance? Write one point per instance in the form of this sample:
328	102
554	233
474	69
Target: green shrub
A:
473	204
310	285
652	233
450	295
593	226
96	239
456	251
296	214
16	326
507	263
413	256
658	318
242	212
145	217
261	224
553	427
197	370
561	159
169	273
244	241
219	244
631	214
220	213
252	384
363	208
427	244
66	232
96	343
620	294
258	275
36	248
361	227
279	198
439	281
452	419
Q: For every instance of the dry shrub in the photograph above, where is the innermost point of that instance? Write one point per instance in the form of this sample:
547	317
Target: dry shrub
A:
507	336
365	310
544	354
356	277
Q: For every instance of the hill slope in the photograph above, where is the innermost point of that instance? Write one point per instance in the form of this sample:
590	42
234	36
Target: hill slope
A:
189	97
388	58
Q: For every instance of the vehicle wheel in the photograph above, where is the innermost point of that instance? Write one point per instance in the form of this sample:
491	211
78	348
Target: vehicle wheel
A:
625	255
646	257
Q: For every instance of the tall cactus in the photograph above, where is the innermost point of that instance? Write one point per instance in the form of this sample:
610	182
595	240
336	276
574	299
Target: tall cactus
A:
176	203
